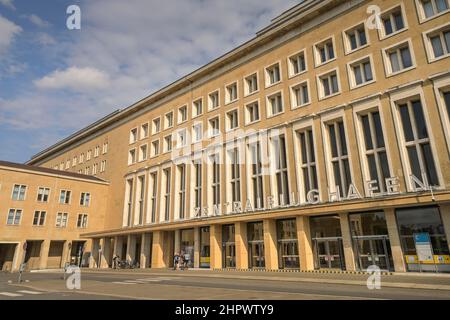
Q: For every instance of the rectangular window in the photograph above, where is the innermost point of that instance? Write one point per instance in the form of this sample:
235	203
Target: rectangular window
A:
213	100
168	143
273	74
297	64
198	184
251	84
144	131
356	38
252	111
168	120
43	194
64	196
300	95
95	169
19	192
215	186
281	170
308	165
167	177
339	157
324	52
182	138
361	72
197	107
143	152
141	198
82	221
231	92
197	132
275	104
153	195
182	114
96	151
39	218
61	220
105	148
155	148
132	156
14	216
256	175
232	119
431	8
439	43
133	135
156	125
81	158
399	58
393	21
182	191
88	155
329	84
417	141
235	177
85	199
74	161
214	127
103	166
375	149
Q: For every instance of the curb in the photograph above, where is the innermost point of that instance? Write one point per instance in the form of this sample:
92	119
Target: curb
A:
383	273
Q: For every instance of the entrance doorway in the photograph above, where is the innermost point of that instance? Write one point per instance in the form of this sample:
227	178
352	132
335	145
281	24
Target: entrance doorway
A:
228	246
7	252
288	257
329	253
327	241
255	235
373	250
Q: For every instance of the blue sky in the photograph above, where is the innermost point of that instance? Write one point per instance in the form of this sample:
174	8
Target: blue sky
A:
54	81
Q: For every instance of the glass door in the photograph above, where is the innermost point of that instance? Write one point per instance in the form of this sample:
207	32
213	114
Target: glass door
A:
329	253
256	254
373	251
229	251
288	257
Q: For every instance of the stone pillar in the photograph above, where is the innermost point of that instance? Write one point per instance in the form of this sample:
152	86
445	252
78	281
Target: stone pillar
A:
305	247
270	244
65	253
118	243
394	239
145	251
347	243
216	246
19	255
241	245
93	258
43	257
106	253
131	248
177	247
445	214
158	250
196	247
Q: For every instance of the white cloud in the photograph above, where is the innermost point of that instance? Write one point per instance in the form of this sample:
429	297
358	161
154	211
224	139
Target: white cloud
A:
45	39
37	21
75	79
8	3
8	30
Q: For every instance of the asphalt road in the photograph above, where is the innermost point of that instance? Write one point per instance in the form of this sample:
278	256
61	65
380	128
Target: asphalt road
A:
187	286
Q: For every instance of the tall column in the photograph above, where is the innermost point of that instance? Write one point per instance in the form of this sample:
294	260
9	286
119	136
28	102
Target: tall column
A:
197	247
145	251
177	247
241	245
131	248
65	253
270	244
158	250
43	257
19	255
106	253
93	258
347	243
305	243
118	243
394	239
445	214
216	246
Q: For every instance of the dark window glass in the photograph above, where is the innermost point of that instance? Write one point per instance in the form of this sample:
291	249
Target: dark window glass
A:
406	122
429	165
406	57
420	120
378	129
367	135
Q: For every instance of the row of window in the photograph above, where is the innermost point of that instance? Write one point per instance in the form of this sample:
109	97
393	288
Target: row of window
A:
19	192
40	217
96	168
417	153
78	160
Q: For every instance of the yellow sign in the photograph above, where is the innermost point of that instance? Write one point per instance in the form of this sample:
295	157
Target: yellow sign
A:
437	259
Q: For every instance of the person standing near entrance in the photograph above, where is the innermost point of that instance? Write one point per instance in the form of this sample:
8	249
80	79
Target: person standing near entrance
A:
176	260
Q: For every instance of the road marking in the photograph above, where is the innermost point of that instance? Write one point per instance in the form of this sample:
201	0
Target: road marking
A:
10	294
118	282
134	281
29	292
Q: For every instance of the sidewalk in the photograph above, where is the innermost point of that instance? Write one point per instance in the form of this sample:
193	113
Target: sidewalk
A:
395	280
